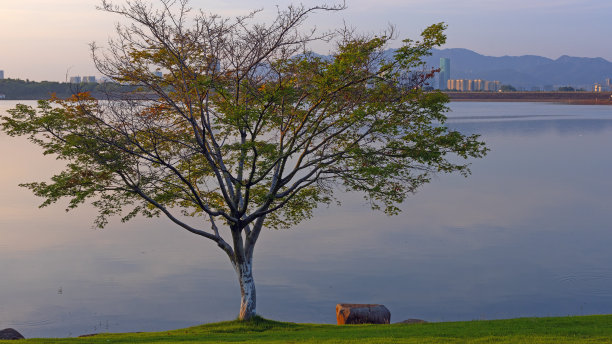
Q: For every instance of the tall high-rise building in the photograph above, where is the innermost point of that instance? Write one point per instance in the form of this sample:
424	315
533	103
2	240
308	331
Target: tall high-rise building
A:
1	74
444	72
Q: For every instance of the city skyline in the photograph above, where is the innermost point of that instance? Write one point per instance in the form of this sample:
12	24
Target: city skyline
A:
49	41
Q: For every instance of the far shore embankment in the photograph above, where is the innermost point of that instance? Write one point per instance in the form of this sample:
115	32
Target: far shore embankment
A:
578	98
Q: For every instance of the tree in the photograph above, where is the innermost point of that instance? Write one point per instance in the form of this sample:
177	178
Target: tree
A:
507	88
566	89
246	129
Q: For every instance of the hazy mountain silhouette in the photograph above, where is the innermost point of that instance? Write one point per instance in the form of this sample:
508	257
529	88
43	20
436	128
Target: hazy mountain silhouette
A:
524	71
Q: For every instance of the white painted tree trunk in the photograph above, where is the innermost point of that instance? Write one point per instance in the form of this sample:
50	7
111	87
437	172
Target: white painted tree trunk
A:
247	290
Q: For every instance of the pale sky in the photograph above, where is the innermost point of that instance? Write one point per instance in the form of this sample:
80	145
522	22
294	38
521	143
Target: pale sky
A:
48	39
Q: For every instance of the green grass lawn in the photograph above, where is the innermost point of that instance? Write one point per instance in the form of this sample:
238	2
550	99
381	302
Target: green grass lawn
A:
582	329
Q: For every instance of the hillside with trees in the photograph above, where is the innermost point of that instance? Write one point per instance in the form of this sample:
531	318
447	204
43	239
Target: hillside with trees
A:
525	71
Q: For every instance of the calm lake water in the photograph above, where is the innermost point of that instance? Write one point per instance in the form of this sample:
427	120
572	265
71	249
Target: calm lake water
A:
528	234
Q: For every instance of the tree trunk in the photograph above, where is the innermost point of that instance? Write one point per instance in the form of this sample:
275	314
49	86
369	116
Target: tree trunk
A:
247	290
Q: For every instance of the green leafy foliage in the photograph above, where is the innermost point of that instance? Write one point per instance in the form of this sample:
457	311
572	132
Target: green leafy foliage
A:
347	120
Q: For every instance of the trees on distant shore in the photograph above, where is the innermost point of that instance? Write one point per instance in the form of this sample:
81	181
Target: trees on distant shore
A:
507	88
17	89
25	89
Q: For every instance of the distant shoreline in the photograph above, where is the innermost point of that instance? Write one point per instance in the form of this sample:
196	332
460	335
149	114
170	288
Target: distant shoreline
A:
576	98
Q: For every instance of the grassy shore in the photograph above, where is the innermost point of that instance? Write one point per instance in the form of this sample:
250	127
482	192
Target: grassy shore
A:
582	329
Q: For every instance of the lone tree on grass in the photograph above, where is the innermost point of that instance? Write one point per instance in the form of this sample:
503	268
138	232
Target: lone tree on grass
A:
245	129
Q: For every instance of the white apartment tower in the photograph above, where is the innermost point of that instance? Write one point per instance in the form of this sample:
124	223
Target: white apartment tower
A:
88	79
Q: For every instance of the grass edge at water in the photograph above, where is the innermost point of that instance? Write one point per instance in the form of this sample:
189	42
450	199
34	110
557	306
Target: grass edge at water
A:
571	329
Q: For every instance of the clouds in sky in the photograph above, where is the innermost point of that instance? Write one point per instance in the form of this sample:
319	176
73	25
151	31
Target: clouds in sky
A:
49	39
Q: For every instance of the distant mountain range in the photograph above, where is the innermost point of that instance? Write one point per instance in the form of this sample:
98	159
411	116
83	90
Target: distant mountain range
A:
526	71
